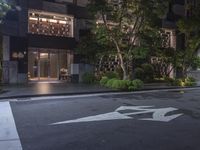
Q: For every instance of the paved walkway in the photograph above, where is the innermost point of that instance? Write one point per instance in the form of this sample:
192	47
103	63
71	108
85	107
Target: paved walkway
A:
42	89
47	89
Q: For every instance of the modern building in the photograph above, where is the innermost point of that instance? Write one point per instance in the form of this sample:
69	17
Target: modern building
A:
178	9
39	38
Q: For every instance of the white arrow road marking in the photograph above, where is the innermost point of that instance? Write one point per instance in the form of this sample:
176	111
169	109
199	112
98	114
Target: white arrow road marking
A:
102	117
158	115
9	139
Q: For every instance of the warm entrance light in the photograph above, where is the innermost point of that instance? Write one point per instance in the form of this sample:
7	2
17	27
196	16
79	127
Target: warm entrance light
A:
50	24
43	55
32	18
62	22
53	21
44	19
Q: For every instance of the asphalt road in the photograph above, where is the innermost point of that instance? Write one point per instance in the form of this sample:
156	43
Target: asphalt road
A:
145	121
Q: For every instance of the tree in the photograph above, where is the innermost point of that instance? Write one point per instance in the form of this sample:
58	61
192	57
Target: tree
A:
4	8
91	49
189	27
122	24
163	57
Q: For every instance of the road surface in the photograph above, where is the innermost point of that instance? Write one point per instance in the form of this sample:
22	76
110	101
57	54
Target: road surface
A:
160	120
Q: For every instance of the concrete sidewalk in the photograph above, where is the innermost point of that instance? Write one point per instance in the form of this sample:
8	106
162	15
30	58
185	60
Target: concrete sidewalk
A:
47	89
56	89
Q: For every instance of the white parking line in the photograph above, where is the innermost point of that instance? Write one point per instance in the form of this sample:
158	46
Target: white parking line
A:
9	138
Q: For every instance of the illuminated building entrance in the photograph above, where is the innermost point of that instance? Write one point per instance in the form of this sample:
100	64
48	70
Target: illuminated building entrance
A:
46	64
55	32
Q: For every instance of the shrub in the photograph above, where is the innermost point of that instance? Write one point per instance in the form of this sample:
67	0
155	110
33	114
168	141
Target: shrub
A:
139	73
148	72
123	84
104	80
119	71
0	74
112	75
138	84
88	78
128	82
110	82
178	82
169	80
132	88
189	81
119	84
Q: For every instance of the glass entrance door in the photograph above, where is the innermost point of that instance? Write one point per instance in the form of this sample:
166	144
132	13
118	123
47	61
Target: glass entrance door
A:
46	64
44	68
43	65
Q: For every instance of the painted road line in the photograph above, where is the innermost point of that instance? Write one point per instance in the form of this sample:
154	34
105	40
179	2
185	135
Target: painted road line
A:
9	138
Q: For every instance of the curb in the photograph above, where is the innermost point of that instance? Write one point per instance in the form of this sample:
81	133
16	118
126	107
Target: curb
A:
95	92
56	94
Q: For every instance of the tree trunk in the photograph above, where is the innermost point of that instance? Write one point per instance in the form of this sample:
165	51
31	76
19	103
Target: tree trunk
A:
122	65
184	71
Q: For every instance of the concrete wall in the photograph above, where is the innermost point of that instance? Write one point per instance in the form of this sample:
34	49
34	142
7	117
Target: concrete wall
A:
11	72
54	7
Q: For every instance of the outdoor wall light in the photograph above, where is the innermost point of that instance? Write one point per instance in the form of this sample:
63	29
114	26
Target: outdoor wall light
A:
44	19
62	22
19	55
32	18
53	21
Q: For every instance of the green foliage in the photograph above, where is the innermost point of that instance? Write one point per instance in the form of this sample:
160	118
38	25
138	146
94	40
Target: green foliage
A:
119	71
178	82
137	83
120	26
138	73
112	75
119	84
125	85
196	62
140	52
90	48
188	81
189	27
104	80
1	74
110	82
148	72
4	7
88	78
169	80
